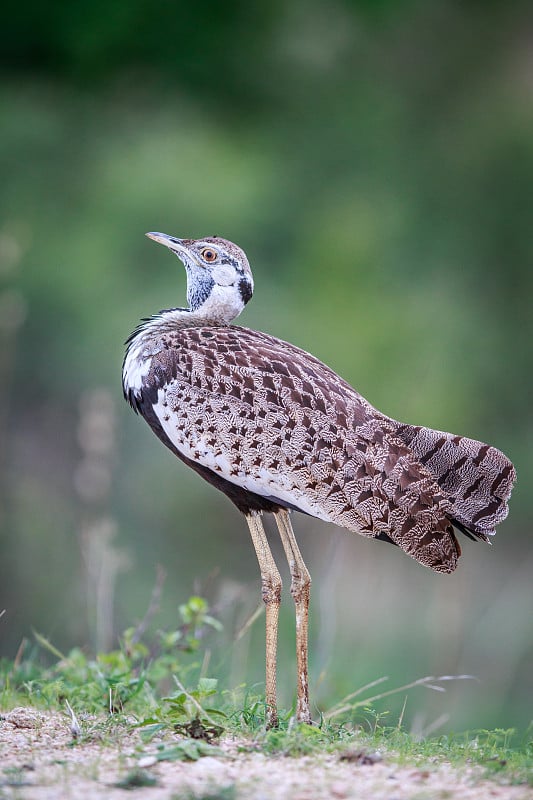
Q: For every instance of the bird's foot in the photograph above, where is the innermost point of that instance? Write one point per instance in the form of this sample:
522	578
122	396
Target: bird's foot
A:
272	720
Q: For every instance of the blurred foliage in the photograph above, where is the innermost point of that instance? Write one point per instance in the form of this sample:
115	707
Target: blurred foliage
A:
131	678
375	160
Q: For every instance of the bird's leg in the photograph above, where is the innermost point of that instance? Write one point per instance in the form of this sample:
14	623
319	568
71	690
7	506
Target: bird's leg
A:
271	590
300	590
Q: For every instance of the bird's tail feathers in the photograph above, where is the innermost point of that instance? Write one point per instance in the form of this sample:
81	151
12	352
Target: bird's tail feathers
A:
476	477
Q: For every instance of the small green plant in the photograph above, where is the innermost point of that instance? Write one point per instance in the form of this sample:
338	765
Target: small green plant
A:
185	713
186	750
228	792
136	779
132	677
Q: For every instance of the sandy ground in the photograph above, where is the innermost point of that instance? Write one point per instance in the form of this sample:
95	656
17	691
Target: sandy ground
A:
39	761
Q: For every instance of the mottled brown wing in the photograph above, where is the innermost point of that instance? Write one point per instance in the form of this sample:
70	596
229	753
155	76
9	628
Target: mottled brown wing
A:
275	420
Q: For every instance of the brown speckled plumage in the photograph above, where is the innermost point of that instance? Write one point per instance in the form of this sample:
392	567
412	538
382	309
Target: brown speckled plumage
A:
265	405
274	428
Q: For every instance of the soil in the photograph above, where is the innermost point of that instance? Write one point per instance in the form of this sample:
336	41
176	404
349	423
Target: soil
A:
41	760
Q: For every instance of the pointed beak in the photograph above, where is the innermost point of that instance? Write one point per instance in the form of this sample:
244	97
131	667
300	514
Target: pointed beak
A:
169	241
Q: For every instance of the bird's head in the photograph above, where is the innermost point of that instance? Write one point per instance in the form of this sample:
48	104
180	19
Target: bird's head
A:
219	278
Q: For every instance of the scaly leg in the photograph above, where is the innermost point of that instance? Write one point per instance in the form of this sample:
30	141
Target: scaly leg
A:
271	590
300	590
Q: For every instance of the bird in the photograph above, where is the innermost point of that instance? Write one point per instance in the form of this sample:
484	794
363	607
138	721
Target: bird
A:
278	431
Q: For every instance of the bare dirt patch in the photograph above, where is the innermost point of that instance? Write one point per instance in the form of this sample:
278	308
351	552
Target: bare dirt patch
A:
39	760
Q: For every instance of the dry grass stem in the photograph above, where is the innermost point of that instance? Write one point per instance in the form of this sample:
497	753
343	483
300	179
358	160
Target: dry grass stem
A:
429	681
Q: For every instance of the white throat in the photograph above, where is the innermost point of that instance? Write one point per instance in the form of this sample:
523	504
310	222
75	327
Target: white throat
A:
222	305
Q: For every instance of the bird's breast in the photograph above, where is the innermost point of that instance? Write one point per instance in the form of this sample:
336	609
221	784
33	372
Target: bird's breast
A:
213	431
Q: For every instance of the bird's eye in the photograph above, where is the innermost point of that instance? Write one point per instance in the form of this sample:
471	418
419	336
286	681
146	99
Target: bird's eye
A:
208	254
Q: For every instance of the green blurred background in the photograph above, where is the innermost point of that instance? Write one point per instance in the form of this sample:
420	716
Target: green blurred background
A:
375	161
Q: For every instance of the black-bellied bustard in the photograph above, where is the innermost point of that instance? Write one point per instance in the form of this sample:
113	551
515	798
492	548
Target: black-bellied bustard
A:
277	430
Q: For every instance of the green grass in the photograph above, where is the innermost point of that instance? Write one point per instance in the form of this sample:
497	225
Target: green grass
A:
153	685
